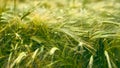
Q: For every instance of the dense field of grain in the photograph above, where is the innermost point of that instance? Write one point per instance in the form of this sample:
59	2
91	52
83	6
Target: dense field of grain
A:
59	33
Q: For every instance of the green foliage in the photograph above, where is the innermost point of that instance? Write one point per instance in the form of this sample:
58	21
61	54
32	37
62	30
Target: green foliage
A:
59	34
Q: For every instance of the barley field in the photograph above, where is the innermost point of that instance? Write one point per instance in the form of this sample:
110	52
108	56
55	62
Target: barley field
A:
59	33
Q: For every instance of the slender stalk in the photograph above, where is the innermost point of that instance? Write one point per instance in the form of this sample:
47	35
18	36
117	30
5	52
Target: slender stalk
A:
108	59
